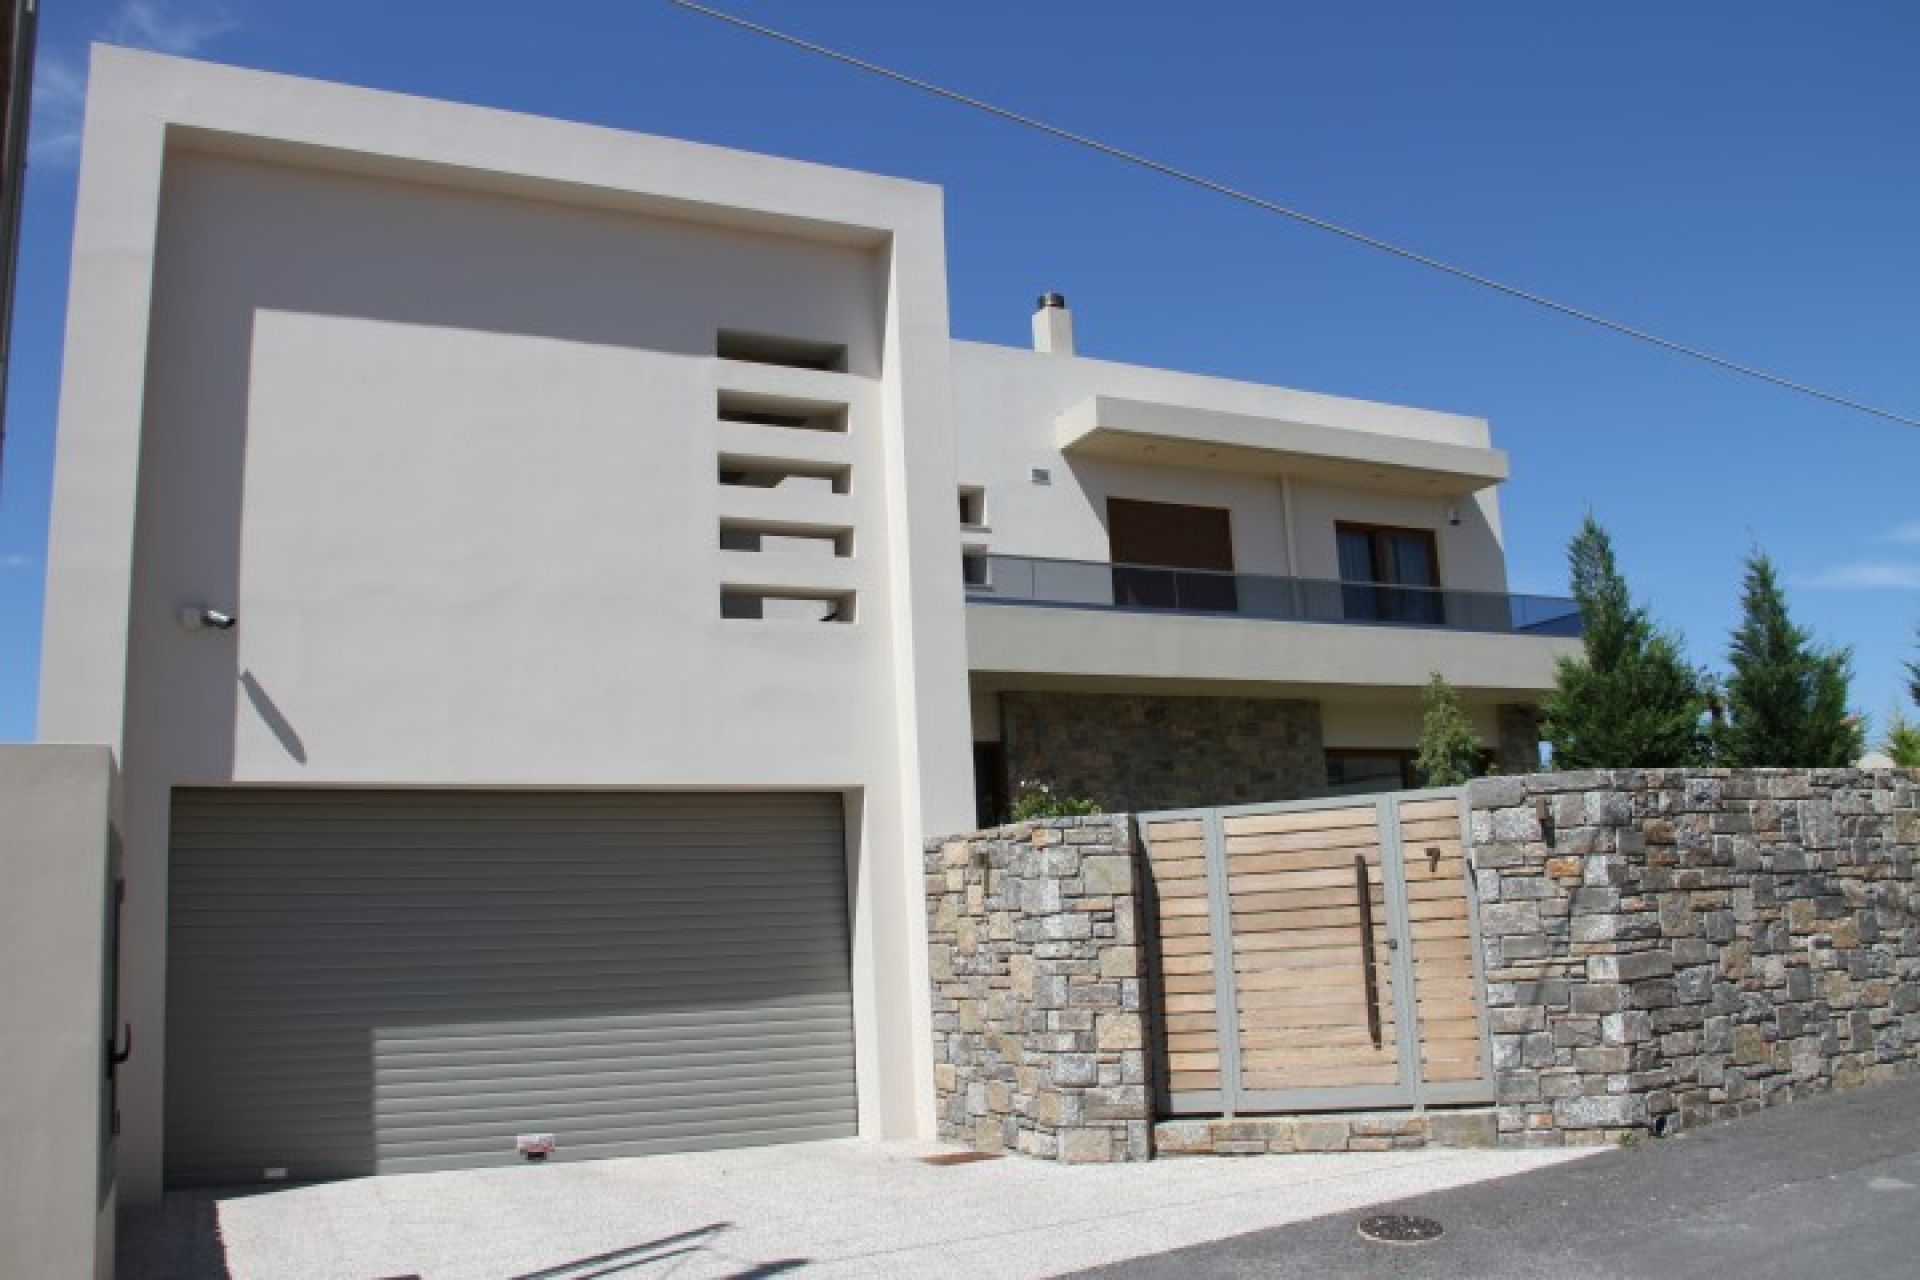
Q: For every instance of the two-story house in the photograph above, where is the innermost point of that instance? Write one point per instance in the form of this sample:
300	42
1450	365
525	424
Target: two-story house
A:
1185	589
516	565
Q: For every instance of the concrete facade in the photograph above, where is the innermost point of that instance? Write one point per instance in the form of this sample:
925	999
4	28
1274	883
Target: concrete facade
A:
57	1186
1046	437
365	372
528	454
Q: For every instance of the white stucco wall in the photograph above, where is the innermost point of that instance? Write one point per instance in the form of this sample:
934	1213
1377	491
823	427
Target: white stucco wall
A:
425	394
58	807
1006	402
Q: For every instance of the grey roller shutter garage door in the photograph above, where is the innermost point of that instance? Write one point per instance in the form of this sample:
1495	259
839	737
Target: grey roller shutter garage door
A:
375	982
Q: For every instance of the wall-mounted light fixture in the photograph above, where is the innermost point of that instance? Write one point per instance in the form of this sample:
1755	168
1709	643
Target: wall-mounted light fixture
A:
1453	515
200	617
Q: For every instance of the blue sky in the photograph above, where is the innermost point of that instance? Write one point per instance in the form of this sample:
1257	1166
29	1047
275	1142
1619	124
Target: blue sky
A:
1739	175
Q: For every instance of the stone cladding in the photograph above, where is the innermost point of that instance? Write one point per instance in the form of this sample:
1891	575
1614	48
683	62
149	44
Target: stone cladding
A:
1039	1034
1665	948
1135	753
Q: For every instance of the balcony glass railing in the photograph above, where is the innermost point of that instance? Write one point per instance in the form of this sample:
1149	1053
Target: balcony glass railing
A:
1092	584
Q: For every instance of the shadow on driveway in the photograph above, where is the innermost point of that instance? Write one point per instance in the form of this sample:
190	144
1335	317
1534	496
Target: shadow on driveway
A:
180	1240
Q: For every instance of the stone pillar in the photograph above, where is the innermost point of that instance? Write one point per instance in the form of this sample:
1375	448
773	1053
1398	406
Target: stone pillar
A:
1039	1033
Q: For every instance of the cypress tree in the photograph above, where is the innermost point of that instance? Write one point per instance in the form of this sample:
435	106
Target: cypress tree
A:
1913	676
1449	747
1631	701
1786	697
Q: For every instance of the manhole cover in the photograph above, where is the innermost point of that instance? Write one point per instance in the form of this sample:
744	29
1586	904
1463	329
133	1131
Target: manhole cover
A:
1399	1228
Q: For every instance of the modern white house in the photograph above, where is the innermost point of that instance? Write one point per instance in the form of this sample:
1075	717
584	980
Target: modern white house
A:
542	584
1181	586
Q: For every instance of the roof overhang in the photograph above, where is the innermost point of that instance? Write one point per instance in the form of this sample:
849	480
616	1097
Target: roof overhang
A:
1181	436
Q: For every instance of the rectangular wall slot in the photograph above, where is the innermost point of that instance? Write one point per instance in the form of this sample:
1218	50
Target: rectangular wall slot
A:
776	537
973	506
788	476
758	410
791	353
753	603
976	570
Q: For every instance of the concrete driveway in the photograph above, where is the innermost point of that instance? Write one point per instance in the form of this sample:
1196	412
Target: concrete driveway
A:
834	1208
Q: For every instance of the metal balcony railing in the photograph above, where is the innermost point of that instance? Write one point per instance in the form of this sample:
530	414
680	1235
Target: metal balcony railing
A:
1093	584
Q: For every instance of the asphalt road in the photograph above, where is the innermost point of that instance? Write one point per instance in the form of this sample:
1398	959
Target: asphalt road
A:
1817	1190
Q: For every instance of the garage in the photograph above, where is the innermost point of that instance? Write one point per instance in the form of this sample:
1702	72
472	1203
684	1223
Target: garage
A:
393	981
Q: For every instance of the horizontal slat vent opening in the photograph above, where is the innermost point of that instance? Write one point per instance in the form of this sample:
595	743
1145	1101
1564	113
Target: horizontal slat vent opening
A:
774	537
786	606
789	476
788	352
756	409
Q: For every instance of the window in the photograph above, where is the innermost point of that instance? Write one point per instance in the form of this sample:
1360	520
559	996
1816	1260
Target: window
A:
1149	542
973	506
1357	771
1362	771
973	571
1391	575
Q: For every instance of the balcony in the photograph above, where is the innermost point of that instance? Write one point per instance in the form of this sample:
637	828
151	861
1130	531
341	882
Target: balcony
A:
1089	584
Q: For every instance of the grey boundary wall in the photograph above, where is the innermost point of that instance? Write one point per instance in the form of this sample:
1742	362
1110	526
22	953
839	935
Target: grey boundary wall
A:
1663	948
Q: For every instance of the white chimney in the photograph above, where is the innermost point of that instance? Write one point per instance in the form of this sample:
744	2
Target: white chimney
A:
1053	326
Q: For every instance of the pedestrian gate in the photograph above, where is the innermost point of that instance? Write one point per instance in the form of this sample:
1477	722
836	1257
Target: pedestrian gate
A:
1317	955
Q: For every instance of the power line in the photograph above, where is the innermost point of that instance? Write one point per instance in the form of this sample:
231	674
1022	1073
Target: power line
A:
1308	219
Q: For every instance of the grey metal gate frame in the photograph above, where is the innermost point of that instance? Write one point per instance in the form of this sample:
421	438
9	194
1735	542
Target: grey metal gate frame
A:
1410	1090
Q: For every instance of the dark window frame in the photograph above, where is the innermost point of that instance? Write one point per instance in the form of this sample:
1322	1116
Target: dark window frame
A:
1409	776
1407	756
1174	577
1385	599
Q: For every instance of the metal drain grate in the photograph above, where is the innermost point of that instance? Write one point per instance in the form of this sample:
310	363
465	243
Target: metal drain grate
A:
1399	1228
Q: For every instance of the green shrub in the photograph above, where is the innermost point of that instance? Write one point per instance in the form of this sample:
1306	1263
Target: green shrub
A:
1037	800
1449	746
1902	742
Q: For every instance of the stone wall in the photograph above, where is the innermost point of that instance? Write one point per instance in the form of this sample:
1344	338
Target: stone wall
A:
1518	749
1137	753
1036	965
1665	948
1662	948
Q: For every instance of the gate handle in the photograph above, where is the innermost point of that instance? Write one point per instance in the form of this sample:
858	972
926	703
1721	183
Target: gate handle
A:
117	1056
1366	947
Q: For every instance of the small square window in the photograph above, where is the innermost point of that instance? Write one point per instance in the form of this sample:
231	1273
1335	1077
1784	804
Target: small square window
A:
973	506
974	571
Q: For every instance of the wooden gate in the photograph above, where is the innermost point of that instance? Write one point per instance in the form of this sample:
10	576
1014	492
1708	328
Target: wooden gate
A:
1317	955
